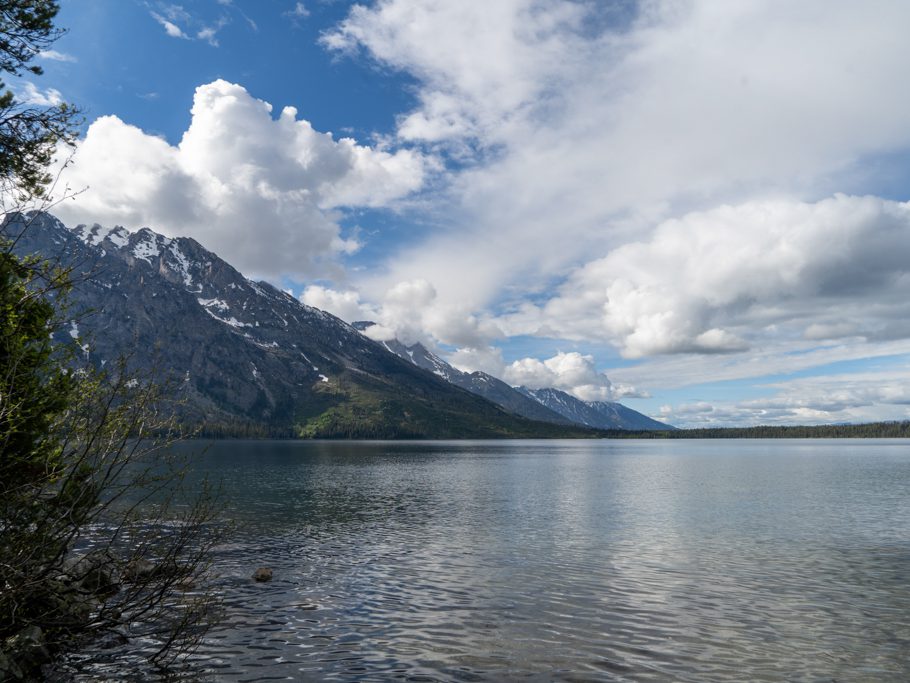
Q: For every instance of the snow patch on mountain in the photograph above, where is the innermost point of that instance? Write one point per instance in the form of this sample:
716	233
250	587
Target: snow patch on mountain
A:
183	264
96	234
219	304
74	333
146	249
232	321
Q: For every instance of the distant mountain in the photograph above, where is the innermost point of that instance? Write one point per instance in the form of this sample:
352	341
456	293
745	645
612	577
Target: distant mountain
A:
549	405
596	414
249	359
479	383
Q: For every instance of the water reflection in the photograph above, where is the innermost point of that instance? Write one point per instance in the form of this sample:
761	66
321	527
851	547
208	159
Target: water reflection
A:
626	561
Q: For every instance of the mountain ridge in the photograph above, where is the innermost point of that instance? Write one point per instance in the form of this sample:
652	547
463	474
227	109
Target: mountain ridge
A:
249	359
596	414
549	405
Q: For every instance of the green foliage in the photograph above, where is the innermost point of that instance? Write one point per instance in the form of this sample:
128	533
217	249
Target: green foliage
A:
370	408
29	134
26	28
34	392
34	388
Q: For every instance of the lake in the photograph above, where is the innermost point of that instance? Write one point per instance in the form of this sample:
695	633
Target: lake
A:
722	560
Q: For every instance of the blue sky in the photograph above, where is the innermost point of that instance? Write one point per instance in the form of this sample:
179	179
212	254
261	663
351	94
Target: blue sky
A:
698	209
128	64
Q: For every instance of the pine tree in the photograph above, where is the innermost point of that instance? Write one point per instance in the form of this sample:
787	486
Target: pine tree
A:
29	135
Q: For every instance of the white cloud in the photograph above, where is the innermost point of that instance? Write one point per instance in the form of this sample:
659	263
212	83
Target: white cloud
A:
571	372
170	27
345	305
668	164
479	61
852	398
763	272
29	93
56	56
693	370
589	127
409	312
261	192
797	284
210	33
179	23
486	359
298	11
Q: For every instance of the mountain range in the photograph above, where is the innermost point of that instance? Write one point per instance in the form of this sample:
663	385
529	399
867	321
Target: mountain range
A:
547	404
251	360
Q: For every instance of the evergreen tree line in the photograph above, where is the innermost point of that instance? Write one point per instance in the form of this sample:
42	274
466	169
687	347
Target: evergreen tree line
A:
871	430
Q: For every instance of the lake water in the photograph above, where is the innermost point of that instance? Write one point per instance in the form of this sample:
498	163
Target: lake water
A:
775	560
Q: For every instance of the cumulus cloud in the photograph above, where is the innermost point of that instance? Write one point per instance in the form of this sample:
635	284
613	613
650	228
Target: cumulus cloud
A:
572	372
408	311
486	359
264	193
762	272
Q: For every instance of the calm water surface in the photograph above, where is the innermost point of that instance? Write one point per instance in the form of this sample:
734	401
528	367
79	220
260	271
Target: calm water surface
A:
570	560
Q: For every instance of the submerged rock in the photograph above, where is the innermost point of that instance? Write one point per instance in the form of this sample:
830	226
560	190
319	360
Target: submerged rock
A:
139	570
92	573
262	574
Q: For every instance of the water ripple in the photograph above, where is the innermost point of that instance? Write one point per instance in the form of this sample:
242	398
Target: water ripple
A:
564	561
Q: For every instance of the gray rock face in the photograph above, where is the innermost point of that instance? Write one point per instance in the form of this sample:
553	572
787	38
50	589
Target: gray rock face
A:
172	303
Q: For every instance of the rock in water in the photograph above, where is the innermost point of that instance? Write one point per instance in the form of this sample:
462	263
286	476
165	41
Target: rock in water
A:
91	572
139	570
262	574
